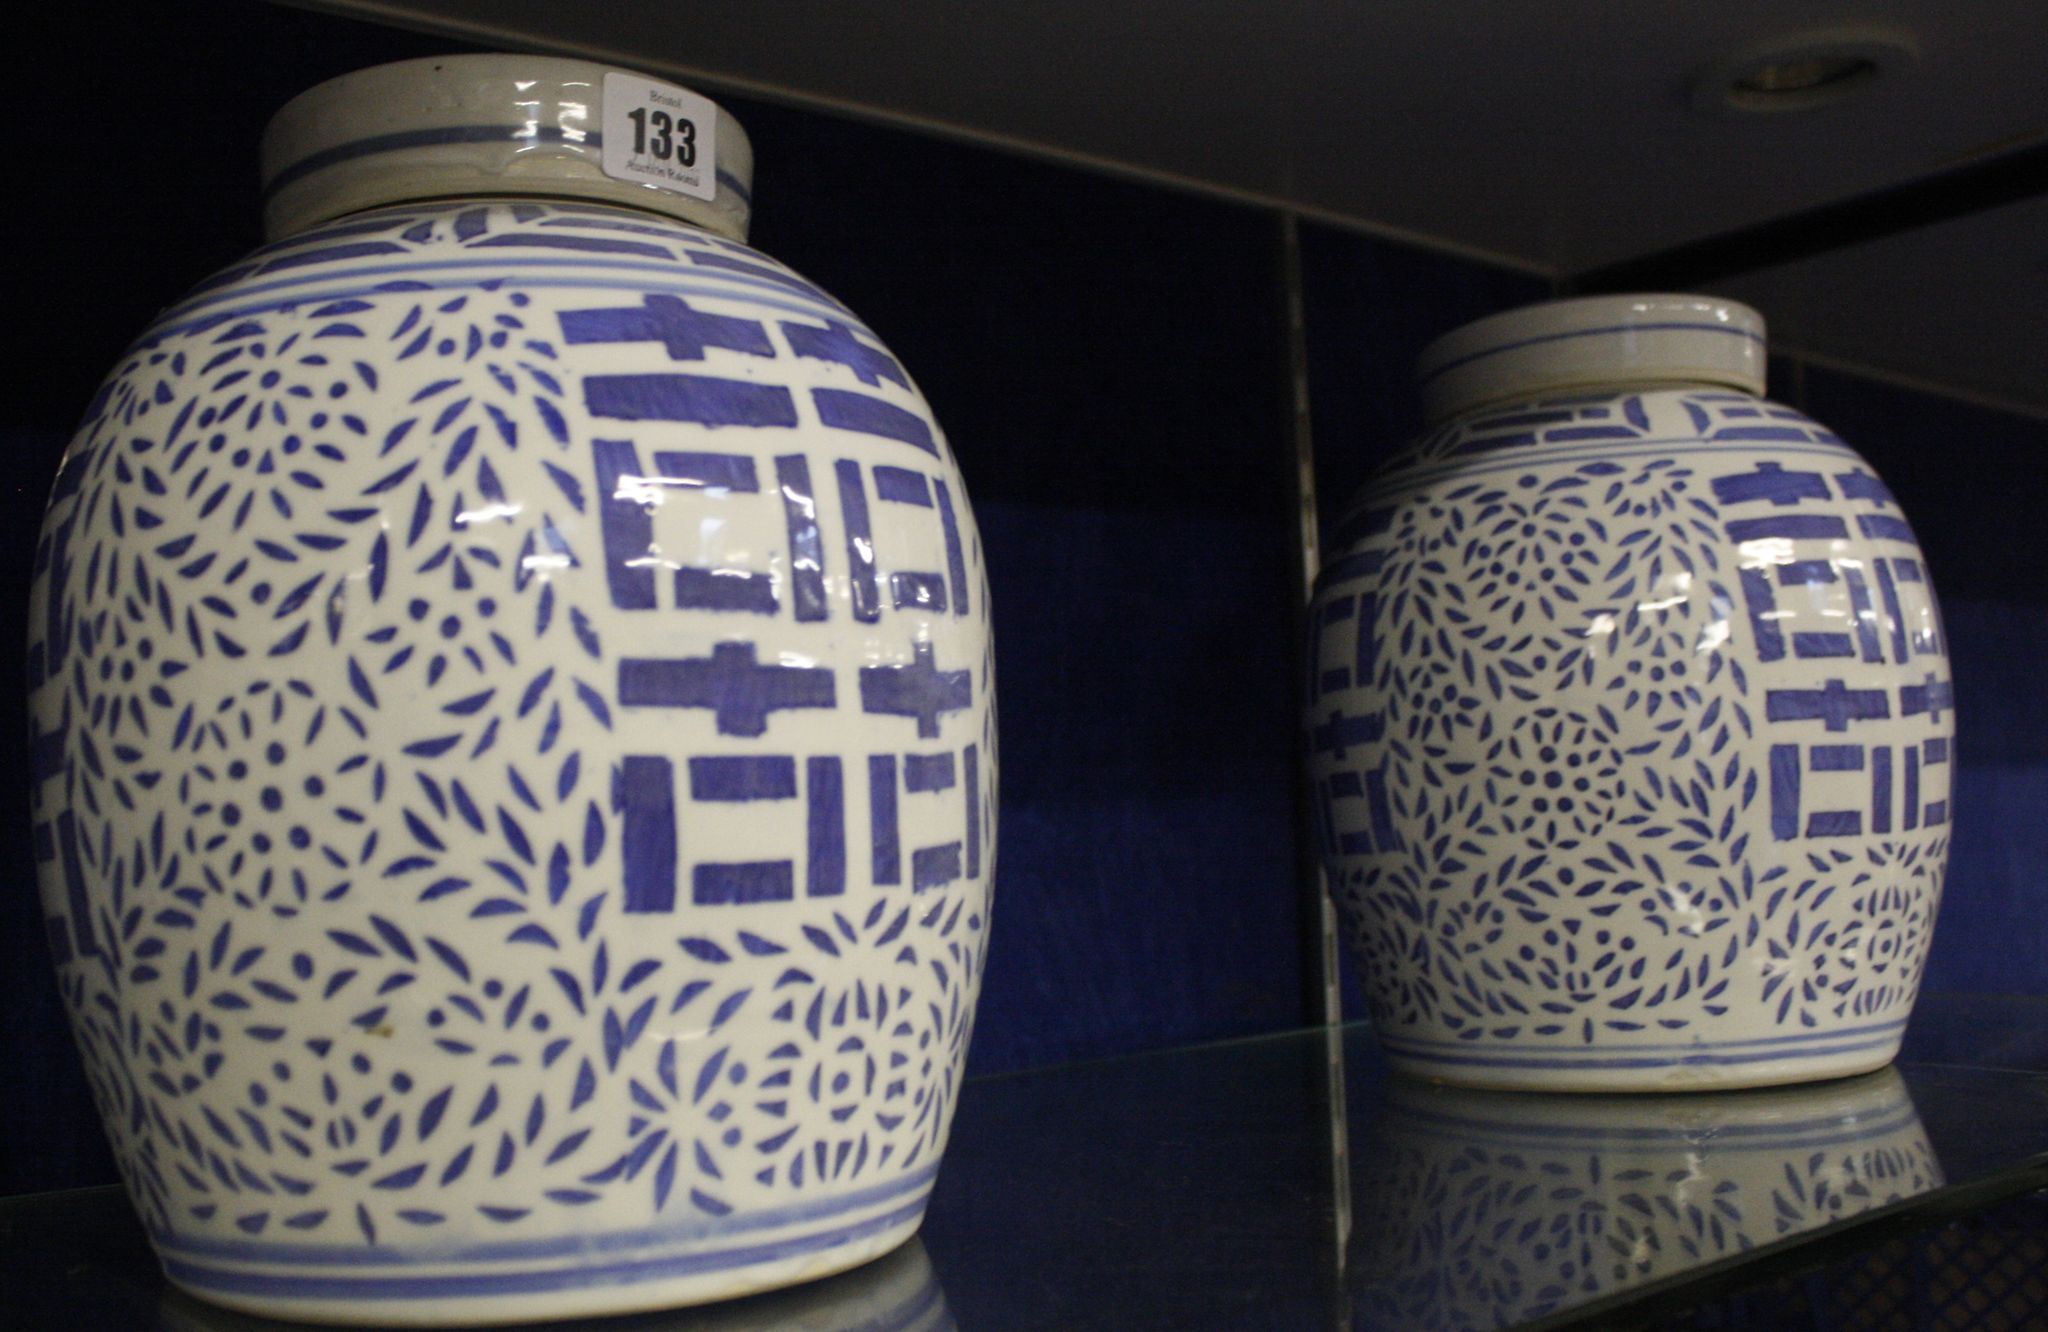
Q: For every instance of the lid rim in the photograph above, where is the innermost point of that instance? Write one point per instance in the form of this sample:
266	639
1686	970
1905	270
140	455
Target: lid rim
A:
475	125
1584	341
1425	375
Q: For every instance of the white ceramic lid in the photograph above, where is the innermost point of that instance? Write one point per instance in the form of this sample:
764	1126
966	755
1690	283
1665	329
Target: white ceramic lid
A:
1594	340
457	126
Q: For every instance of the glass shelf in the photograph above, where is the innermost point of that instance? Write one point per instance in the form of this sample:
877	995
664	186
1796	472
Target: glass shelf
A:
1293	1181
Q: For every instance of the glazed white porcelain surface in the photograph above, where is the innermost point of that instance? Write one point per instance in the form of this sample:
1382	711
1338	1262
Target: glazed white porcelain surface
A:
1605	341
1631	734
477	125
1506	1208
516	776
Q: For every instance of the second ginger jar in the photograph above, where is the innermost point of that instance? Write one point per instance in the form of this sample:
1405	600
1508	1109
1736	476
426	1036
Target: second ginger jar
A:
1631	728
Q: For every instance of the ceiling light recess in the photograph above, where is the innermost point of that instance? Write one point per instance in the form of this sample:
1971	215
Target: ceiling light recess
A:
1802	73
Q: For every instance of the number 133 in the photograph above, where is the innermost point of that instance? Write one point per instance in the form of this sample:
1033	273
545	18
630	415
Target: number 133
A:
671	137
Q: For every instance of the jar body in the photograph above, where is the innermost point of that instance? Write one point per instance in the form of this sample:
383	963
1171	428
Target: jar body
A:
512	693
1631	737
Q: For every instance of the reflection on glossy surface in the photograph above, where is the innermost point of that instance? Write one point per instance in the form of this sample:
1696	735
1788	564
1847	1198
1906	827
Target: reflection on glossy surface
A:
1489	1209
897	1292
1197	1188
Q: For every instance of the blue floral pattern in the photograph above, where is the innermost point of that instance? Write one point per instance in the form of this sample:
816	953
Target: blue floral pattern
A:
1559	765
337	803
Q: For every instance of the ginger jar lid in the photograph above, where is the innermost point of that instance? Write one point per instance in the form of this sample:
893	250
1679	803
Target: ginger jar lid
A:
1592	341
467	126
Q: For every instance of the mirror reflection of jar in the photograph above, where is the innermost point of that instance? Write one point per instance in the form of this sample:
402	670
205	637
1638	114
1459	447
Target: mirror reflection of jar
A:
1630	720
1486	1209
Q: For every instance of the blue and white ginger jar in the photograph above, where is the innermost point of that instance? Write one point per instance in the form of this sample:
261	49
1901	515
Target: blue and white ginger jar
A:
514	731
1631	720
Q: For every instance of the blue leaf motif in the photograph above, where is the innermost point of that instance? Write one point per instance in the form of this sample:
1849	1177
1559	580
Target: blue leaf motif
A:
708	1074
729	1006
637	1023
595	702
474	703
558	874
431	1112
614	1039
449	957
361	683
571	488
291	642
567	1146
515	835
353	943
395	937
665	1066
297	597
636	1160
570	987
665	1177
401	1179
534	691
507	430
433	748
421	833
585	633
557	428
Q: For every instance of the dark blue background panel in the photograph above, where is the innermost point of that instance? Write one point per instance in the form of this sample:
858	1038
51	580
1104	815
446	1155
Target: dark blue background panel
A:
1371	308
1969	477
1145	881
1972	480
1106	362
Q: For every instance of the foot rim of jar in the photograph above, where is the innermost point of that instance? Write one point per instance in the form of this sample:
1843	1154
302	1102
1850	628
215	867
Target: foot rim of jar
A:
1648	1077
653	1295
